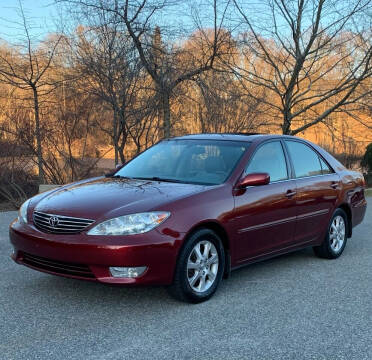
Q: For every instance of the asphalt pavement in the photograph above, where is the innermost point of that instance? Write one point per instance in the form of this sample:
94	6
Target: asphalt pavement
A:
296	306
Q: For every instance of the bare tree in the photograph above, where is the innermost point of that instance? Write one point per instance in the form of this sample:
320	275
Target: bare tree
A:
110	70
168	65
26	68
310	55
16	182
223	106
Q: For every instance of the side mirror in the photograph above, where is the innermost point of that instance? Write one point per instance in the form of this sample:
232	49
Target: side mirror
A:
118	166
254	179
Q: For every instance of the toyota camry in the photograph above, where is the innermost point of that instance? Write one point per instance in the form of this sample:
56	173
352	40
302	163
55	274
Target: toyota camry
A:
189	210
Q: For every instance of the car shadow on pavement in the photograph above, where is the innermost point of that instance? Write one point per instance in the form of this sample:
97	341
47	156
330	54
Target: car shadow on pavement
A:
79	291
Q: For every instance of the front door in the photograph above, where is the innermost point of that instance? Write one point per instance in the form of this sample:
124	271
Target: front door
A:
265	216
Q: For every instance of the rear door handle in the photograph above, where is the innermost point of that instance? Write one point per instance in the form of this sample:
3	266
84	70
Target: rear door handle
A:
290	193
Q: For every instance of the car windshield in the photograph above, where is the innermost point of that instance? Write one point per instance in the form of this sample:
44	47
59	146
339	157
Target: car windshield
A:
207	162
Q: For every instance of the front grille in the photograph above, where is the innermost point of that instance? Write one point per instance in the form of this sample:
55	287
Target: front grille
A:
58	224
59	267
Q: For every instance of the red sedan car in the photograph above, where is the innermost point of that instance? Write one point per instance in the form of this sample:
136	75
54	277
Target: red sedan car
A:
190	209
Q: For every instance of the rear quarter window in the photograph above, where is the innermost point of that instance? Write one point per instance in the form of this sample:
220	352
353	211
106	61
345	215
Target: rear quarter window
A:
325	167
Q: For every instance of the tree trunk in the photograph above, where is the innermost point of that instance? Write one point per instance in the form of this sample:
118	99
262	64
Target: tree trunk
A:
166	115
201	119
38	135
121	147
286	126
122	134
115	136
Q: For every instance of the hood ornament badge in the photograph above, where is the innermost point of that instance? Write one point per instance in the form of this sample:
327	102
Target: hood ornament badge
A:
53	221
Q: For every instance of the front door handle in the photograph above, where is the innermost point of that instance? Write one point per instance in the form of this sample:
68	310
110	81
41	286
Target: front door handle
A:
334	185
290	193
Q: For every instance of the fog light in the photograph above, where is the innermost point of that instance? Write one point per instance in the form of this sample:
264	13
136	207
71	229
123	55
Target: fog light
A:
127	272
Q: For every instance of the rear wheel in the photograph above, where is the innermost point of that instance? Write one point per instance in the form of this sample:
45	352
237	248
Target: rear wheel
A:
336	237
200	267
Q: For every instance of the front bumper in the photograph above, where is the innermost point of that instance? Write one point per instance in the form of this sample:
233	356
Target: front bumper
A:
89	257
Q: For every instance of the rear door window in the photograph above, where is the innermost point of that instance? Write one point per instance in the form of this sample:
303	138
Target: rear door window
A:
305	161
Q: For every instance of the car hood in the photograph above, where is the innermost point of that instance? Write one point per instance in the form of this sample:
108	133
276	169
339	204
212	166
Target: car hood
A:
109	197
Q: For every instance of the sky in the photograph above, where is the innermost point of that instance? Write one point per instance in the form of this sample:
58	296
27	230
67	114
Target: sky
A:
41	16
44	16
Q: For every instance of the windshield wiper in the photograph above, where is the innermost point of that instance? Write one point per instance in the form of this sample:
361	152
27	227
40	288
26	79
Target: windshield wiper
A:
156	178
117	176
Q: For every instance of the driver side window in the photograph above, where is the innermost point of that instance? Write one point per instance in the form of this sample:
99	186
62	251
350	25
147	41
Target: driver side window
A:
269	158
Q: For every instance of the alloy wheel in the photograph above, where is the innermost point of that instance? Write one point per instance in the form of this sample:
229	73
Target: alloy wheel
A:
202	266
337	233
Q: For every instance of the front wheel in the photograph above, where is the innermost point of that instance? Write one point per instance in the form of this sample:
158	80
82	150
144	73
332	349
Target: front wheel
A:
336	237
199	268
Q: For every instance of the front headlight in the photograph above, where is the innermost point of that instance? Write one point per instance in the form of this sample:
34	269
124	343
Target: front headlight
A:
22	212
130	224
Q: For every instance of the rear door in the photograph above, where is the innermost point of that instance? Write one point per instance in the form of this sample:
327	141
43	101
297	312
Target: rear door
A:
265	215
317	191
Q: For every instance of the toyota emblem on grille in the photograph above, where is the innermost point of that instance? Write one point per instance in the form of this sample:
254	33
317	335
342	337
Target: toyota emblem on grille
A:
53	221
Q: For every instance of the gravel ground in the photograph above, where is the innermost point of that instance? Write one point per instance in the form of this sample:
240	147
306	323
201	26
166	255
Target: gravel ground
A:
292	307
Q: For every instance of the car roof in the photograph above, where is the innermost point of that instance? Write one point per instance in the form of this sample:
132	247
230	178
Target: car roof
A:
249	137
258	138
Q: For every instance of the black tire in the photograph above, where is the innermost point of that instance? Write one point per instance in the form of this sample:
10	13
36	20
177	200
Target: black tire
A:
326	250
181	288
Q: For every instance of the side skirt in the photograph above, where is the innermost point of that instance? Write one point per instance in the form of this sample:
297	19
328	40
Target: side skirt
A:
273	254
